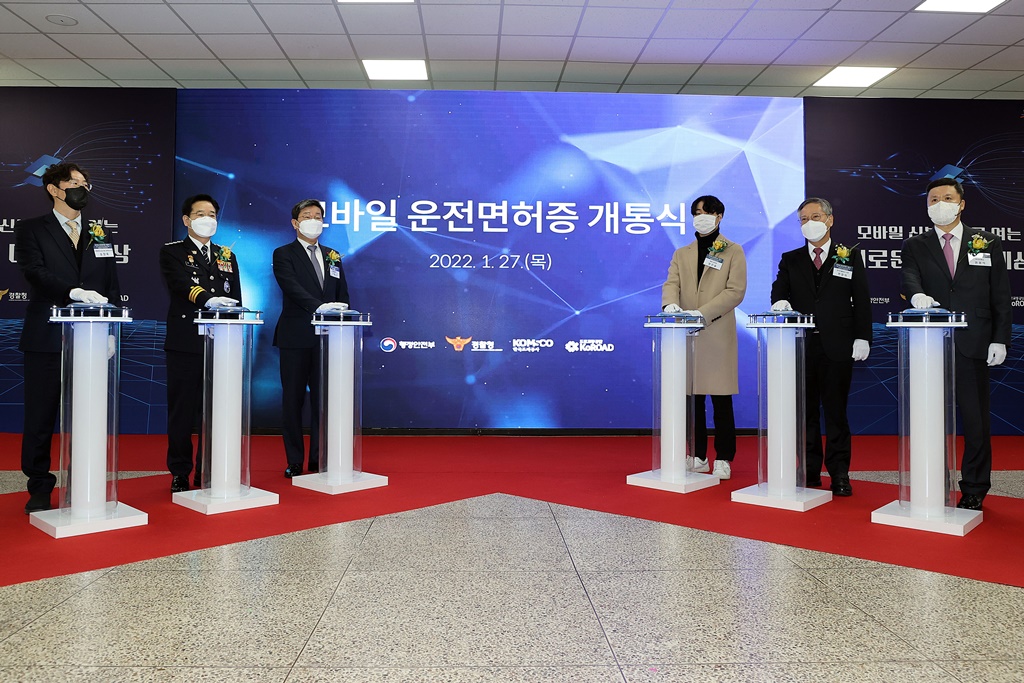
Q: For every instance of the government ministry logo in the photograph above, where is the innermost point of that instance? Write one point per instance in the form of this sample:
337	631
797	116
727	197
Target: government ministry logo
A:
387	345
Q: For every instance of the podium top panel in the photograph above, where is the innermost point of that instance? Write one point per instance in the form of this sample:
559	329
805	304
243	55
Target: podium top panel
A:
780	319
90	313
927	317
338	318
235	315
676	320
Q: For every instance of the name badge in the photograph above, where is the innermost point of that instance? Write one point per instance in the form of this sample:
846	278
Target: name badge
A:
102	250
980	259
335	272
713	262
845	272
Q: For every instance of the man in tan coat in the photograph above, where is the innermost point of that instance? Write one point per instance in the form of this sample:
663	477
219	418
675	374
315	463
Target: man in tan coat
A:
709	277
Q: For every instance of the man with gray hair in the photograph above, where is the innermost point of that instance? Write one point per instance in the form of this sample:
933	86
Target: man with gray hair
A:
825	278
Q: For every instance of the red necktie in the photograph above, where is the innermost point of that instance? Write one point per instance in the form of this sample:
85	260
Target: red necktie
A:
817	258
947	251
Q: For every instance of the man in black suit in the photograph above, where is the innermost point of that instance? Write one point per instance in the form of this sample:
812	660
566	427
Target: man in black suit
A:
312	281
827	280
62	261
963	269
198	274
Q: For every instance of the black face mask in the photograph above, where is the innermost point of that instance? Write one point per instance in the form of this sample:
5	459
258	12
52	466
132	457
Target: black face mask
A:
76	197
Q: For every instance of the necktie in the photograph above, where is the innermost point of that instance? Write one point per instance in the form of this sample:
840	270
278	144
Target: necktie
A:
947	251
317	266
73	226
817	258
206	253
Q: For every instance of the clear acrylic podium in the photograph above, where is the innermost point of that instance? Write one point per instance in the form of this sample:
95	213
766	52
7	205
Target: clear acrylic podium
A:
782	416
927	424
673	407
227	366
341	383
89	392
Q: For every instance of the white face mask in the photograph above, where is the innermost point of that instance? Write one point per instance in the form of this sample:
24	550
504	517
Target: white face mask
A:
943	213
311	228
813	230
704	223
204	226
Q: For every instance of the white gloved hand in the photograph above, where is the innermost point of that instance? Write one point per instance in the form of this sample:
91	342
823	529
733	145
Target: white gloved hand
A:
861	349
782	305
221	302
996	354
111	344
332	307
87	296
673	309
922	300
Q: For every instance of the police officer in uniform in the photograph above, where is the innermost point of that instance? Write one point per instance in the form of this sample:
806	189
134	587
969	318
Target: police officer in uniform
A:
198	274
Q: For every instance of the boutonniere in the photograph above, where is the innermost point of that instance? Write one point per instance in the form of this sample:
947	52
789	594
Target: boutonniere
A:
333	258
978	244
96	232
717	247
842	253
224	255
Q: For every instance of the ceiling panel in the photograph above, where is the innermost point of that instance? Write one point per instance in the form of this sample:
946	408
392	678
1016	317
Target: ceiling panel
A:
127	68
540	21
99	46
141	18
316	19
462	47
619	22
698	24
243	46
623	50
221	18
36	13
316	47
458	19
850	25
758	24
381	19
170	47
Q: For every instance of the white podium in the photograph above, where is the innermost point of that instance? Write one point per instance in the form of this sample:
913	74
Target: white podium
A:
673	407
782	416
227	364
341	391
927	424
89	392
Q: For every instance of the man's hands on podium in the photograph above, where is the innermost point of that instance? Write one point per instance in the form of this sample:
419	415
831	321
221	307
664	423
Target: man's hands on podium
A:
86	296
861	349
221	302
782	305
996	354
922	300
332	307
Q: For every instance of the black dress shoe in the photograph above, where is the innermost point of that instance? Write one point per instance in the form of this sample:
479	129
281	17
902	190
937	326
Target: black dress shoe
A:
969	501
292	471
37	502
179	484
841	487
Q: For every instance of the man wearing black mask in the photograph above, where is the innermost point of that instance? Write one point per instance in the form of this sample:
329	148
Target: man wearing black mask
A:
63	261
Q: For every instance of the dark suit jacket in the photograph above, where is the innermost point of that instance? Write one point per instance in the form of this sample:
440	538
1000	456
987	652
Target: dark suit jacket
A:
303	294
841	307
191	282
982	293
52	268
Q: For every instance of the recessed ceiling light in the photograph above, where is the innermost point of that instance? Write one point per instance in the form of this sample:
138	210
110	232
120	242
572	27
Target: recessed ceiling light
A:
966	6
61	20
395	69
854	76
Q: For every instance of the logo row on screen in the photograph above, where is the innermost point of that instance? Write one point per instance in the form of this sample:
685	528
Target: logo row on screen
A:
519	345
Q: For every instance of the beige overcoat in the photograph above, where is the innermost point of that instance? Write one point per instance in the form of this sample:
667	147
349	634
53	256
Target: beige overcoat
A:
716	296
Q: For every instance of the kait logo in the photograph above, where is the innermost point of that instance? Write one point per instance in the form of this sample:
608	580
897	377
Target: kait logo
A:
458	342
387	345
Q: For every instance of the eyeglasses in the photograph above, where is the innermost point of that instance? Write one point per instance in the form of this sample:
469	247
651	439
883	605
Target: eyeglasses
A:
202	214
310	217
68	184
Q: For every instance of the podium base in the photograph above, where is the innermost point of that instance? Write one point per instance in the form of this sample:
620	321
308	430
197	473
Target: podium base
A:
202	501
360	481
800	501
953	521
61	524
692	482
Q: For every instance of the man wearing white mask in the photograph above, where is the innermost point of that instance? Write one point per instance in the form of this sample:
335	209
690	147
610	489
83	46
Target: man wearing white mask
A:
199	274
962	269
827	279
312	280
709	277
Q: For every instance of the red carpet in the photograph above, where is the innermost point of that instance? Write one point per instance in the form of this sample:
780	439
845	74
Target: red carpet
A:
586	472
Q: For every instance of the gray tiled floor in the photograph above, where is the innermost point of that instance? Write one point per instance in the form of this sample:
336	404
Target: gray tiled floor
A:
505	589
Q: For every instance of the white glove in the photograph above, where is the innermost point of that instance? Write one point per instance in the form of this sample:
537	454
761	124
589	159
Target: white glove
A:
673	309
221	302
111	343
922	300
87	296
861	349
996	354
332	307
782	305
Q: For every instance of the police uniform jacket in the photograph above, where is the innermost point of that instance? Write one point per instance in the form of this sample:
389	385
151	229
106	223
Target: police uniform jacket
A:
191	282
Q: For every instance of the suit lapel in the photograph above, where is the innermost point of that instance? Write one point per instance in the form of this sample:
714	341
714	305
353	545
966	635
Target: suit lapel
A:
56	232
312	282
965	243
931	245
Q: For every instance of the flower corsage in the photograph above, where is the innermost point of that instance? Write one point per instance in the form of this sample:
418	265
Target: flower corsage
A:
842	253
224	255
96	232
977	244
717	247
333	258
